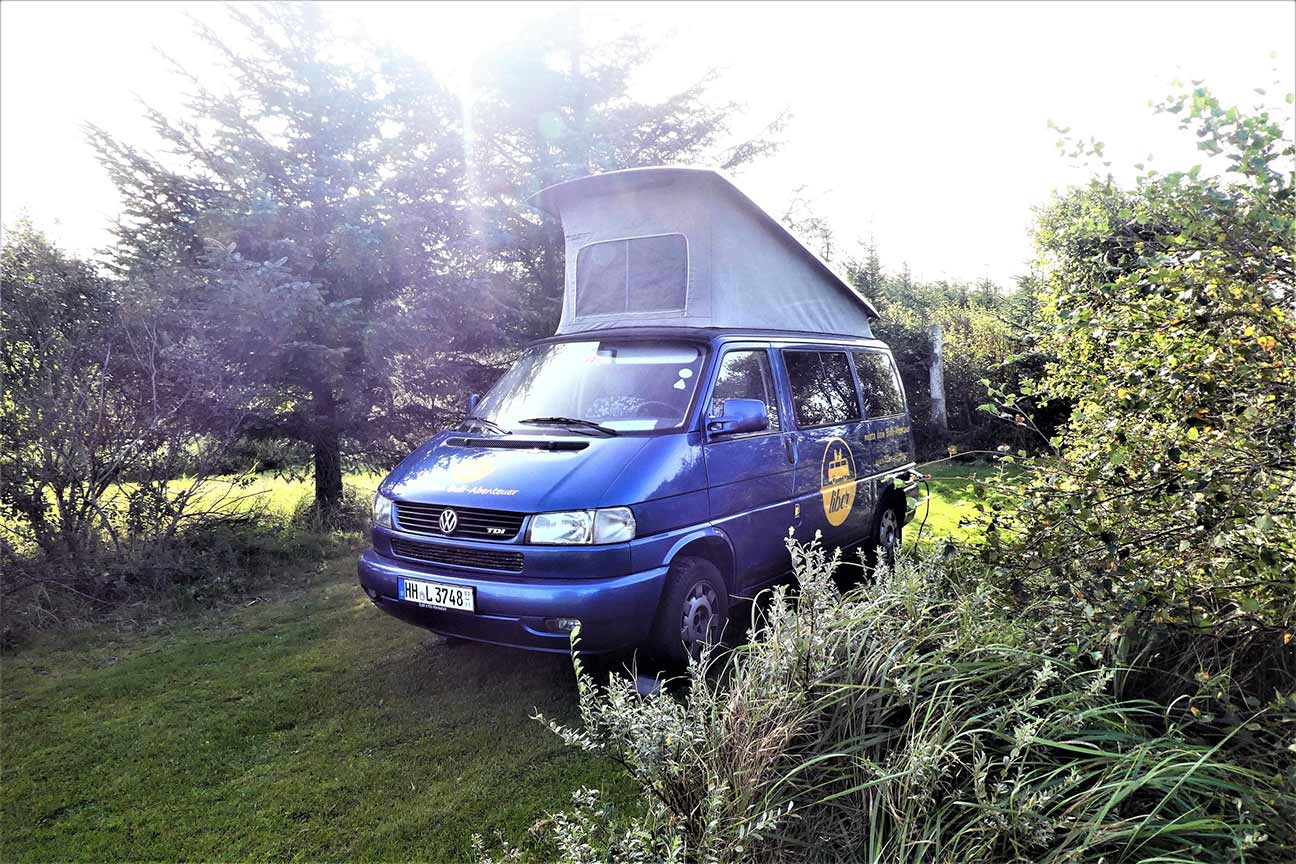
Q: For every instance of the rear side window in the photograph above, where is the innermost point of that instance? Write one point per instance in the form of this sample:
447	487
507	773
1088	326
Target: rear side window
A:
879	384
746	375
638	275
823	391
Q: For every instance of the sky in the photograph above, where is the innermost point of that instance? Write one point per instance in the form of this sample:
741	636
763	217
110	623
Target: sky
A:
920	126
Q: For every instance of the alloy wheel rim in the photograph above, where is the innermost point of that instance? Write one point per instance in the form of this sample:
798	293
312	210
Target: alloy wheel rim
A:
699	619
889	530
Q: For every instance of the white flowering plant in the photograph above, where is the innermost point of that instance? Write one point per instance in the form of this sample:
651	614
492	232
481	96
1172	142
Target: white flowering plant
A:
917	717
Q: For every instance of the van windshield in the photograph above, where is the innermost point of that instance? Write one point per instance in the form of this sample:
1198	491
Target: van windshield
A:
622	385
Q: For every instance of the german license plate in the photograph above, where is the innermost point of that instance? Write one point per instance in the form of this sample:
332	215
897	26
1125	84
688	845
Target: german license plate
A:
438	595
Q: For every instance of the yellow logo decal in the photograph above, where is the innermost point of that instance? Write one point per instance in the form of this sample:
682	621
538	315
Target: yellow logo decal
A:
837	481
472	469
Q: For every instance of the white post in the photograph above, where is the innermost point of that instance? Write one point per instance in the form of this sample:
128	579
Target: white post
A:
937	381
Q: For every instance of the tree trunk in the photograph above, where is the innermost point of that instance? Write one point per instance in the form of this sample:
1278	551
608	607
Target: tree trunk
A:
328	473
936	378
328	452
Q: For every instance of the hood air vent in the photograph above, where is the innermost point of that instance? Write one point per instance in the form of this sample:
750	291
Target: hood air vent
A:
515	444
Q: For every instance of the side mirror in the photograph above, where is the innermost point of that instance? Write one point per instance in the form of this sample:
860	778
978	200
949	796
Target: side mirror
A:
473	399
740	415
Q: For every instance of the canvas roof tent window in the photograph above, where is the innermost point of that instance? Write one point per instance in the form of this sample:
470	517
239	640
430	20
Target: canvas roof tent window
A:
685	247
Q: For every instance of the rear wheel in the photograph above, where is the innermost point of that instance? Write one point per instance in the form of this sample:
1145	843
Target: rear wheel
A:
694	611
888	531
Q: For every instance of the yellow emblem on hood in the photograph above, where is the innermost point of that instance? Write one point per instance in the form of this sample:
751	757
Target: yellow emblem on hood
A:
472	468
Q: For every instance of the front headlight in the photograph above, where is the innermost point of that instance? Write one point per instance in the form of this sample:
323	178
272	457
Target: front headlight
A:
582	527
382	508
614	525
574	527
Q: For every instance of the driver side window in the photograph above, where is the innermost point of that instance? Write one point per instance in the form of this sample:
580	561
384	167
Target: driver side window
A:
746	375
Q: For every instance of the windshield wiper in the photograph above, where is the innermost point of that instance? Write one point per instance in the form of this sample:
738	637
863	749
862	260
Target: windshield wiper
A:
569	421
489	424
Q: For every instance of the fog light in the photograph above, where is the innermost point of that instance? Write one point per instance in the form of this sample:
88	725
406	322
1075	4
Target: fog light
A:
373	595
562	625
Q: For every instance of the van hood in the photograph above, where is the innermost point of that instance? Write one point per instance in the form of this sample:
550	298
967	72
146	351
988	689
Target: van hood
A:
530	474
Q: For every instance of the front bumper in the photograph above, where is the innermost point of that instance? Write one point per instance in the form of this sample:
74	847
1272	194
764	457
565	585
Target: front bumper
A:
615	613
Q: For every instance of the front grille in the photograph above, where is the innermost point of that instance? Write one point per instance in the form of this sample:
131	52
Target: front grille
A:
472	523
460	556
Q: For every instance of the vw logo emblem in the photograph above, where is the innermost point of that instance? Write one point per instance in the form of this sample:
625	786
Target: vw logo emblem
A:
449	521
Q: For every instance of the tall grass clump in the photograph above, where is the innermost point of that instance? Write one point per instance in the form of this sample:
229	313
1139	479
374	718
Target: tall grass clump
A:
920	717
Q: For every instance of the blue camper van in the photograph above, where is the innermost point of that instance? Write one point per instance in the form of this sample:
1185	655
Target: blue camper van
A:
712	385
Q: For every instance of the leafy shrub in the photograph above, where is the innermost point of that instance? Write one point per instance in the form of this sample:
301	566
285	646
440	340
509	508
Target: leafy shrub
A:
1166	509
101	414
352	513
149	576
918	718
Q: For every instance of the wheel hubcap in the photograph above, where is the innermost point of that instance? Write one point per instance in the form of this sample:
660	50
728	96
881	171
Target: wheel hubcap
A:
700	619
889	531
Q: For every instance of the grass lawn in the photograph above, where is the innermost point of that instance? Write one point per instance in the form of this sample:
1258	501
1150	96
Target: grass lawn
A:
307	725
952	502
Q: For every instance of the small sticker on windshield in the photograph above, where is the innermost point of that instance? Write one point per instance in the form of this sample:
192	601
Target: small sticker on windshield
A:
686	373
680	385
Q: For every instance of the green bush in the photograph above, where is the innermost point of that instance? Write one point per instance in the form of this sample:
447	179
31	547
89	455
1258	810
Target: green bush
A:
920	717
980	347
1166	509
353	513
151	574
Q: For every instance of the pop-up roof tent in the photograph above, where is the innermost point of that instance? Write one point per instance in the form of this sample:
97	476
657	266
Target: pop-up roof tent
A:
683	246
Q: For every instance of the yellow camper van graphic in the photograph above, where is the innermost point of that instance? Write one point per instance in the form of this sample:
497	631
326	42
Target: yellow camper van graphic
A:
837	481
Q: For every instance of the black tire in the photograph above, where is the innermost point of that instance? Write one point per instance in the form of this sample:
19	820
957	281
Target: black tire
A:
694	611
888	533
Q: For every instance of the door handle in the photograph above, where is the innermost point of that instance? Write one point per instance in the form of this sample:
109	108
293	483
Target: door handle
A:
789	442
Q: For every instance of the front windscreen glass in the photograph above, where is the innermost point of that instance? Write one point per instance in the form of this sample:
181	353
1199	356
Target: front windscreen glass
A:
627	386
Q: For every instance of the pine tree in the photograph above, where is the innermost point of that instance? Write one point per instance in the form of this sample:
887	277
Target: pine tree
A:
297	209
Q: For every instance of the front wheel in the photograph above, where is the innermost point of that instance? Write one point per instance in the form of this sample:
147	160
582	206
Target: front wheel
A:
693	613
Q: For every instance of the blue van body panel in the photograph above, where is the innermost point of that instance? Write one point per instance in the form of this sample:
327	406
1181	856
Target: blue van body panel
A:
667	465
733	499
449	469
670	514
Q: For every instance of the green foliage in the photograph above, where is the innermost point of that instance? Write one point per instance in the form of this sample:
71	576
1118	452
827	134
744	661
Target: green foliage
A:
335	230
984	341
83	413
305	204
56	326
1166	513
921	717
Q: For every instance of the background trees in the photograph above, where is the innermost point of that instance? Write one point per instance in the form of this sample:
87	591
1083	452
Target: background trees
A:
291	216
555	105
102	412
356	240
986	342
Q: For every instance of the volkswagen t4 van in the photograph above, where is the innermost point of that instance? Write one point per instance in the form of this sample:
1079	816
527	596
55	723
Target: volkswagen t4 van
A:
712	385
